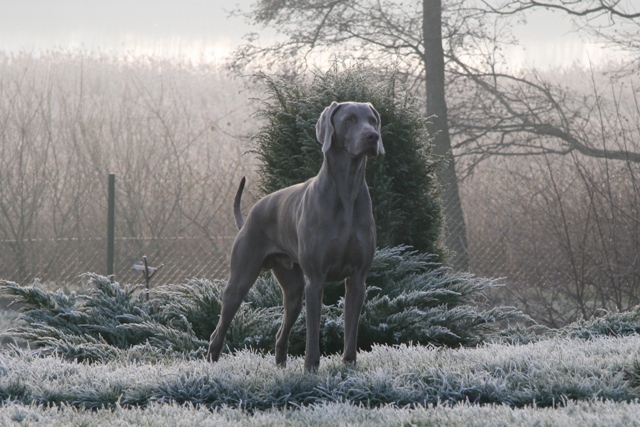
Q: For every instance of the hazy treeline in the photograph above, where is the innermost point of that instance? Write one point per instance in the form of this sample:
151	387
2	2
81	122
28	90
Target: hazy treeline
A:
172	134
562	226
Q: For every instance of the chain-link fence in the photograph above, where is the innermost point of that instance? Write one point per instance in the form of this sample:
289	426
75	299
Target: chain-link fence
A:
565	245
190	243
63	261
562	231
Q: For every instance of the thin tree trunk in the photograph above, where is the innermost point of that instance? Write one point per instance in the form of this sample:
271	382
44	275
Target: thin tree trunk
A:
456	230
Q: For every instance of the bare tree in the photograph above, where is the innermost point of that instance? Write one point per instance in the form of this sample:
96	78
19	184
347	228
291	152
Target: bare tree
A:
24	169
610	9
434	77
504	113
562	230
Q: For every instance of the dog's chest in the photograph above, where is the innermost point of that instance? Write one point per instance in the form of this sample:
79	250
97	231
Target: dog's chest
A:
336	238
349	246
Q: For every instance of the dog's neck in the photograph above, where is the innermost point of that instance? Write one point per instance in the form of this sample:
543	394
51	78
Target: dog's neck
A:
344	174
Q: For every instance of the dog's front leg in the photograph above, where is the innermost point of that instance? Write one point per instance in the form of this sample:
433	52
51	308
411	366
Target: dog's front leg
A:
313	304
353	302
292	283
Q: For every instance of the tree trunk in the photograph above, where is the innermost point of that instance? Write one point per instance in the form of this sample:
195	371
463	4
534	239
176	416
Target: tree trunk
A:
455	230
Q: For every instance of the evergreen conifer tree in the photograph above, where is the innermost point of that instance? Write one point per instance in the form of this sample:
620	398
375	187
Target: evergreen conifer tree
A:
402	183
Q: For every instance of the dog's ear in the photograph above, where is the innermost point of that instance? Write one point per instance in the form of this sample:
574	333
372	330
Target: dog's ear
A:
324	127
378	128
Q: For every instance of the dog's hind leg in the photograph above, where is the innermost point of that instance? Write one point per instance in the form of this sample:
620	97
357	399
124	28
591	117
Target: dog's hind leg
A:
292	283
246	264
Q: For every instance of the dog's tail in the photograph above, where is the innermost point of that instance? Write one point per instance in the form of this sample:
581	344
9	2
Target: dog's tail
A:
236	204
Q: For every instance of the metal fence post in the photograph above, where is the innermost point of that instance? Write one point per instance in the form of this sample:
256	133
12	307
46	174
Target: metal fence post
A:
111	225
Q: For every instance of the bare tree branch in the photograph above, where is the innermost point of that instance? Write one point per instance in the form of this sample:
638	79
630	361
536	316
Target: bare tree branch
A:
572	7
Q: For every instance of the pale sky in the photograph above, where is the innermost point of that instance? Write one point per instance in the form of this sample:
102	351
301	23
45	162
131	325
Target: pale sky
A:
202	30
174	28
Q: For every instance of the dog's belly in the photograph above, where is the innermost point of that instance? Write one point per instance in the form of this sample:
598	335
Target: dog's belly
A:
339	274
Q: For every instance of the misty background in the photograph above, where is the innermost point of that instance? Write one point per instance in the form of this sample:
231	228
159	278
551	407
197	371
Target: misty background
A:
140	89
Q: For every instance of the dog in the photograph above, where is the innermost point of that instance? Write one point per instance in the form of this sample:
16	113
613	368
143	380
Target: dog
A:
321	230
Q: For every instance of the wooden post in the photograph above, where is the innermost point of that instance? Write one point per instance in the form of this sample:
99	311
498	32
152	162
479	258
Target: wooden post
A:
111	225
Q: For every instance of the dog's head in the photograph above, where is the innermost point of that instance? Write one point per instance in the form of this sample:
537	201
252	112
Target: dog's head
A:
353	126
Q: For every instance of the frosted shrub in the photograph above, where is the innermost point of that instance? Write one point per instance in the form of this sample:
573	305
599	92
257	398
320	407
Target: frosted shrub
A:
410	300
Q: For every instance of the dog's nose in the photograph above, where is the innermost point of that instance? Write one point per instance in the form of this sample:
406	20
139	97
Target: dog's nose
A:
372	137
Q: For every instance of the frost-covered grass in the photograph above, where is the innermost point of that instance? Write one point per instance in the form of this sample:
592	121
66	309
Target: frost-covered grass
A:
555	381
581	414
8	319
544	374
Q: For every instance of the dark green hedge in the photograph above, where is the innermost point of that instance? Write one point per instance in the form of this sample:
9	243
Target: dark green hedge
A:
402	183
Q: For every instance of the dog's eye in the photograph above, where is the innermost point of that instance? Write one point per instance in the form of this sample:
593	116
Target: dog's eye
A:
351	119
373	121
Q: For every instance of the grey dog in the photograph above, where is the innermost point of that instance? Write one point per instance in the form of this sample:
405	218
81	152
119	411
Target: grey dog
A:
321	229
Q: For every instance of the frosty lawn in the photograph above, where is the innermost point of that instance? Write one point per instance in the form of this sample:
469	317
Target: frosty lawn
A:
545	373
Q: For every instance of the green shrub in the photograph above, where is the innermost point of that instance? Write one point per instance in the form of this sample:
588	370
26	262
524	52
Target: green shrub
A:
410	299
402	183
610	324
93	326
